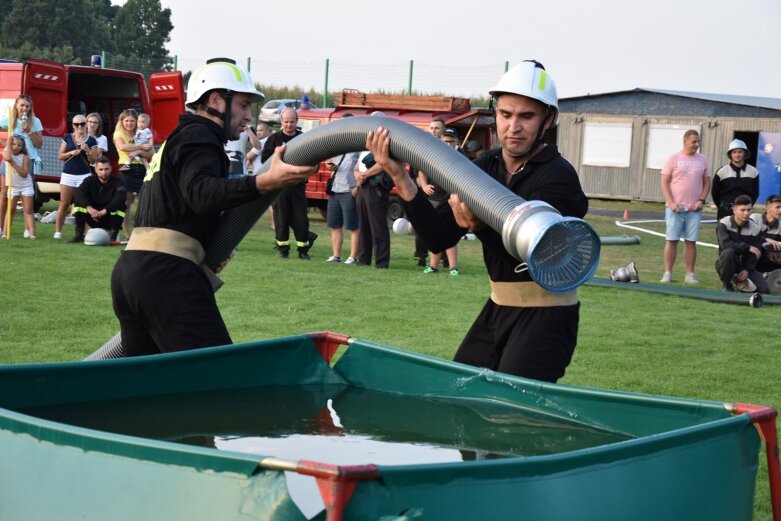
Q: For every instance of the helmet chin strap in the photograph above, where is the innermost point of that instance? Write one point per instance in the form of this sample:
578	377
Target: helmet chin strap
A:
224	116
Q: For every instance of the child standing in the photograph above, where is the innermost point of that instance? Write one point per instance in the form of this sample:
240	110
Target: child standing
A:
21	183
143	136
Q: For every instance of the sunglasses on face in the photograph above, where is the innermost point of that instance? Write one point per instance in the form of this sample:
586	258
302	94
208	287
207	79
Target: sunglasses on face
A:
79	124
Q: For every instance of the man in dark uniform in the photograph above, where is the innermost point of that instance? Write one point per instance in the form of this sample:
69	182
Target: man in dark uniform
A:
522	329
161	293
290	208
99	202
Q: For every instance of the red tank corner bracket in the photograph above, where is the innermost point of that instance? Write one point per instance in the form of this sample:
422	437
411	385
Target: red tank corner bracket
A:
764	418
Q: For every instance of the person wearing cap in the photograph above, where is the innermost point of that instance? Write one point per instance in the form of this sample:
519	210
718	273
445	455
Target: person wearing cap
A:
770	224
162	294
740	247
522	329
733	179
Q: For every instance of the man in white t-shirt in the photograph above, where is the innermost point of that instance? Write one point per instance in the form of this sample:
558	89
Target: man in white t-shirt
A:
237	149
253	156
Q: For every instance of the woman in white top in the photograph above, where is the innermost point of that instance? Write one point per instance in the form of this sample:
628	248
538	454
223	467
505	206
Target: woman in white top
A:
95	129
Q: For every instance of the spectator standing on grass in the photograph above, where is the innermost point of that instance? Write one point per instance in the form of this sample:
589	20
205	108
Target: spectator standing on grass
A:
770	224
342	211
372	197
78	152
685	186
131	172
162	295
20	179
523	329
733	179
740	247
237	151
435	128
99	202
253	156
291	206
27	125
438	196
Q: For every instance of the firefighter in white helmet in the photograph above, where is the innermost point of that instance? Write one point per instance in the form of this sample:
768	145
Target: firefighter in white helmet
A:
161	294
522	329
733	179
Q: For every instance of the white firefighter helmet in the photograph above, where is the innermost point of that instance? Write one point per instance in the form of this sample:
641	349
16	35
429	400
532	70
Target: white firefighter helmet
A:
97	237
402	226
737	144
528	79
221	74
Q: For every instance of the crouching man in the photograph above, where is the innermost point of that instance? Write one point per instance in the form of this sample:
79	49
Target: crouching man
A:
99	202
740	247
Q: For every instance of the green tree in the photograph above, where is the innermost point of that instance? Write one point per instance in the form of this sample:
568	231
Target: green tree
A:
48	24
141	28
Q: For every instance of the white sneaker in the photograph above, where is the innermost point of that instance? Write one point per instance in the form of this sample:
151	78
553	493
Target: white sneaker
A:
57	236
333	258
667	277
690	278
26	233
351	260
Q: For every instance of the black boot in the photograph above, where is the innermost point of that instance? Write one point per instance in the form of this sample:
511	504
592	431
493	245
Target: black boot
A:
79	237
284	251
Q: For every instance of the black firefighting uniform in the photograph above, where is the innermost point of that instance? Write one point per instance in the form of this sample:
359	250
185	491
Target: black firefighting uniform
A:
165	302
734	254
291	206
534	342
771	259
731	181
110	196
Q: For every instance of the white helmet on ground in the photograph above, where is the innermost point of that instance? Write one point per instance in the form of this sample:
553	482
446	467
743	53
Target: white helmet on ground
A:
97	237
529	79
736	144
220	74
402	226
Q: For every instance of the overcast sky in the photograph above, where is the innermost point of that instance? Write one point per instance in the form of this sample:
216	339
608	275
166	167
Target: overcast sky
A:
715	46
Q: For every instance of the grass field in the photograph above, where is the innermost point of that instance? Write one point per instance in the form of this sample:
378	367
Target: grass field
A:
55	305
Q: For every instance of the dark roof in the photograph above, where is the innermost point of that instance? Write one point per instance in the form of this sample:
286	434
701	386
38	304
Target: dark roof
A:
661	101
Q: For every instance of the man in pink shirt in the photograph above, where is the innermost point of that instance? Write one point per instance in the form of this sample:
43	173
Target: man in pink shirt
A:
685	185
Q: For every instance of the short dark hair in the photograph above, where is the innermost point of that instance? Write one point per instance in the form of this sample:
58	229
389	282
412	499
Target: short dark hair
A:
742	200
773	199
102	159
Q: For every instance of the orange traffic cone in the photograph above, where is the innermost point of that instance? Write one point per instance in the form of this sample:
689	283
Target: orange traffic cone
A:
626	214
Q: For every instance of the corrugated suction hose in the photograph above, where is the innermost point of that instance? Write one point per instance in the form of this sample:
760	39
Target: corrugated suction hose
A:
561	253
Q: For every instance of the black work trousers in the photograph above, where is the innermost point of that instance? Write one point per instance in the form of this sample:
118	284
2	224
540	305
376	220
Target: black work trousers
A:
373	234
290	212
164	303
531	342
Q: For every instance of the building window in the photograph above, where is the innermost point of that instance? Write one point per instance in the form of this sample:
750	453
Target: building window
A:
607	144
664	141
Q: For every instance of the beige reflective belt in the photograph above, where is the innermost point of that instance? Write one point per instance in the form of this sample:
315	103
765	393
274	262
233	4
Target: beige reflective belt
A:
164	240
168	241
529	295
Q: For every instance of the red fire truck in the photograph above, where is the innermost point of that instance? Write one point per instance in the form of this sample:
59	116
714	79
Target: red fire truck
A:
474	125
60	91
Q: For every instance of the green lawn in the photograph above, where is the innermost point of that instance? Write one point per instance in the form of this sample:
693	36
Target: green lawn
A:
55	305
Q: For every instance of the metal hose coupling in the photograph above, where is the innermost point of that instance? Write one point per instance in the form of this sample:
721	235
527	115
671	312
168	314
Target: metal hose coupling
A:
561	253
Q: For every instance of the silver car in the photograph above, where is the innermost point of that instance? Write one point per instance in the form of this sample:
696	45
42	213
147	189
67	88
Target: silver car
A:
271	110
